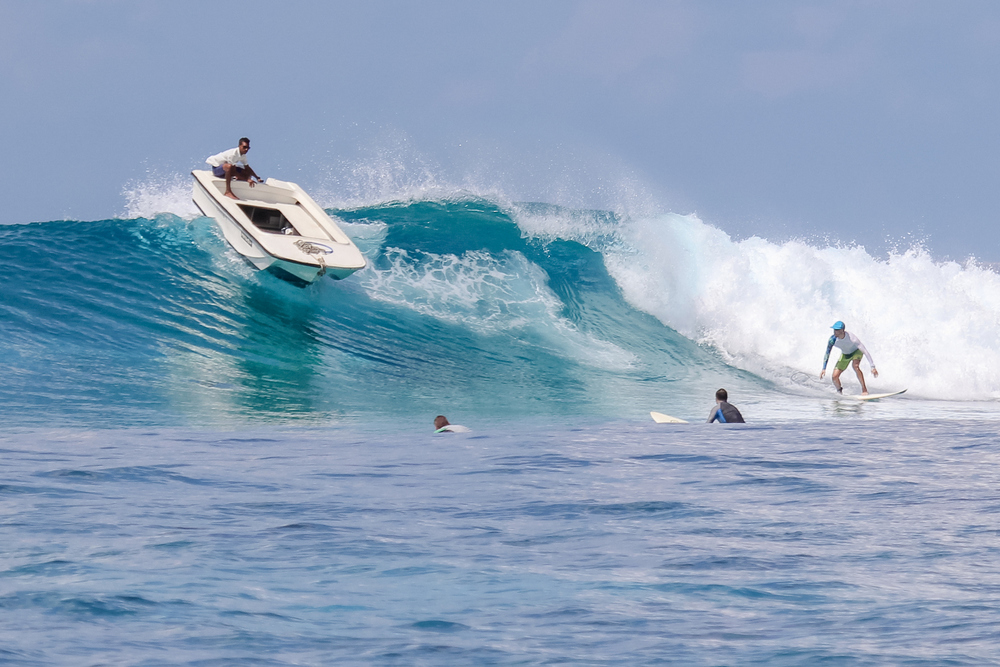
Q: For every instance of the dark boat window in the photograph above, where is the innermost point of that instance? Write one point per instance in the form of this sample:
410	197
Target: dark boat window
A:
268	219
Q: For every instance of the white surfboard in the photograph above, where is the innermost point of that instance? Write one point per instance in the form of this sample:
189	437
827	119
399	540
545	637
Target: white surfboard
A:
661	418
875	397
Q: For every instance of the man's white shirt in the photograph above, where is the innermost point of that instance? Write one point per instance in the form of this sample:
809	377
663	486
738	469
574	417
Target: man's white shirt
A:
228	157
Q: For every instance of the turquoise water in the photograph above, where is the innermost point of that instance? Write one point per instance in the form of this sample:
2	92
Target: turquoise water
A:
203	464
153	321
486	311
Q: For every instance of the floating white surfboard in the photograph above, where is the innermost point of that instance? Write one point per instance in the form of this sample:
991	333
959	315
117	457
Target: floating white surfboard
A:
875	397
661	418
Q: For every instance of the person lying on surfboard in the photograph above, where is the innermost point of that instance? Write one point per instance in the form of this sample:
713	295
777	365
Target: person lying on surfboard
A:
725	412
851	350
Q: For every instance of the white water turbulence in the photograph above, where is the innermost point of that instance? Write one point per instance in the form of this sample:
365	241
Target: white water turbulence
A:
487	294
931	326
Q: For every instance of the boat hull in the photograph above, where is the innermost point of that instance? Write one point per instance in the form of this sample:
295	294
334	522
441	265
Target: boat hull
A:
289	255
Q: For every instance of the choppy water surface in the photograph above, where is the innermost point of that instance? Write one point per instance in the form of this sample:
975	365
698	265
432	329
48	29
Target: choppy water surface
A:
824	543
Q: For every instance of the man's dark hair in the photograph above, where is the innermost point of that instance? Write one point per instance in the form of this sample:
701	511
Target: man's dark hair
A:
722	395
244	140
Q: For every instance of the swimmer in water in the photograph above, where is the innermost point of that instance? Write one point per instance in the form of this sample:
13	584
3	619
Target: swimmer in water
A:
724	411
442	425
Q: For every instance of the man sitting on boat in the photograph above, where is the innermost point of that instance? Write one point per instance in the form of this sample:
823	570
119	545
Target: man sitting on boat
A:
226	165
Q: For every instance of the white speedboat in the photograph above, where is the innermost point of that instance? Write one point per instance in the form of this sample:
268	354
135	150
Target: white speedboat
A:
276	226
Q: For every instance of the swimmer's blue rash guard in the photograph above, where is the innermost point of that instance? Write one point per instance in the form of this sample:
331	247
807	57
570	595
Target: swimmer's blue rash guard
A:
849	344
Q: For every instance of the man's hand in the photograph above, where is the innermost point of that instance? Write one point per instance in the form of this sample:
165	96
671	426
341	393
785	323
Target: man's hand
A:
822	373
874	372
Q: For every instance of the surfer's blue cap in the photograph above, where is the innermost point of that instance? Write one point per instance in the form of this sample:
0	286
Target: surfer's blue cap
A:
838	325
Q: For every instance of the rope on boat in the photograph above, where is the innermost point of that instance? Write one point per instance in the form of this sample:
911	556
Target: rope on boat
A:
317	252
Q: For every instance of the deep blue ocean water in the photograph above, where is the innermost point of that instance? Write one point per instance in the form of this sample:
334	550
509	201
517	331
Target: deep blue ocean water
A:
202	464
824	543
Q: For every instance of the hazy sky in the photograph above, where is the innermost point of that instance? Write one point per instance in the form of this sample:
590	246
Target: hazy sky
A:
872	121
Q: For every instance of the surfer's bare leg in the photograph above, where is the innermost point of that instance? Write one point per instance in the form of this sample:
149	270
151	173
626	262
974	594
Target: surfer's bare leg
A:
836	380
861	376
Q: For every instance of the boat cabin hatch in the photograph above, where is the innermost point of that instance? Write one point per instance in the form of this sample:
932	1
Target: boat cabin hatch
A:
268	219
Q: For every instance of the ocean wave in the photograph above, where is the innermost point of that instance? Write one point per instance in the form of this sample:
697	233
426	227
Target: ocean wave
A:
766	307
494	307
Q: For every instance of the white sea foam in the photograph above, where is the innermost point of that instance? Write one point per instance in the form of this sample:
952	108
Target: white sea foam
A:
159	193
487	294
931	326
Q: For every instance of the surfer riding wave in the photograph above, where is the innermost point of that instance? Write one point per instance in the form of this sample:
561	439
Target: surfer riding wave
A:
851	350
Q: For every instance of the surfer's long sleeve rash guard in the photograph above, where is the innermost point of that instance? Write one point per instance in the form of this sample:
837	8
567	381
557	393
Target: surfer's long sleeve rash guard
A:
726	413
849	344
